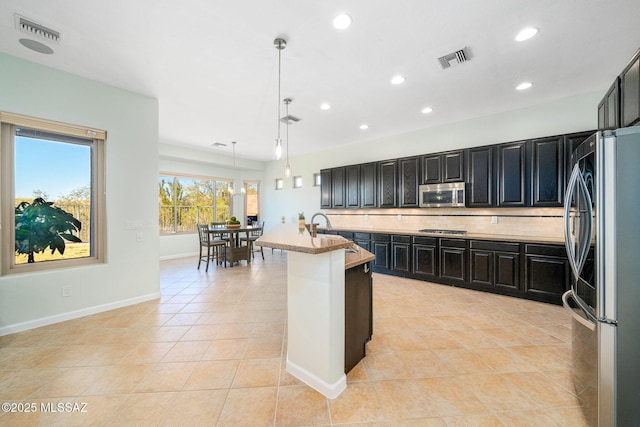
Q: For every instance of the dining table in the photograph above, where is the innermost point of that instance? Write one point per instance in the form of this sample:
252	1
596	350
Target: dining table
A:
235	251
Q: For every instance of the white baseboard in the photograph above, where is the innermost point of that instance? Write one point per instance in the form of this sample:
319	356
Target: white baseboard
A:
330	391
190	254
50	320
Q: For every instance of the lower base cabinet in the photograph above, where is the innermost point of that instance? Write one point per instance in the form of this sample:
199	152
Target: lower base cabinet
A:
453	261
547	272
494	265
358	313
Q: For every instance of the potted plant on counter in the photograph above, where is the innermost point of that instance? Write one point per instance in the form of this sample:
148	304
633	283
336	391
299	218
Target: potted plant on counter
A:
300	219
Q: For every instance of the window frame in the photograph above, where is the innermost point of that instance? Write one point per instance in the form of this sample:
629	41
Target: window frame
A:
8	122
216	180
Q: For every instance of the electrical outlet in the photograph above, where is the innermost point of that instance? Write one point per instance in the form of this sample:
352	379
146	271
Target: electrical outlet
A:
494	219
67	291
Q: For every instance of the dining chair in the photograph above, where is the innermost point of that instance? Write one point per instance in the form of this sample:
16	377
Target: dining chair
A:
253	236
214	244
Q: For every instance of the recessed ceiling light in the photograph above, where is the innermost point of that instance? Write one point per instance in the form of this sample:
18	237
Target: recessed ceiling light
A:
219	144
524	86
342	22
526	34
364	126
427	110
36	46
396	80
325	106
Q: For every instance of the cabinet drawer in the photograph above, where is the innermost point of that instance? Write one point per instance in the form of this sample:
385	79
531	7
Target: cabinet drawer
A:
453	243
346	234
494	246
431	241
362	236
549	250
380	237
400	239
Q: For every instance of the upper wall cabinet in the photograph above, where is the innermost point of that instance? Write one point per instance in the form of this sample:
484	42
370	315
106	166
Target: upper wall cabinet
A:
630	93
369	185
548	176
513	177
480	179
609	108
339	198
409	168
442	167
388	184
325	189
352	186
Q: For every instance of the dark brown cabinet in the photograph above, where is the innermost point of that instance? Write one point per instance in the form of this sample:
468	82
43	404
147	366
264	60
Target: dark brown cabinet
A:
513	178
381	249
358	314
453	263
547	272
338	194
480	180
388	184
409	182
363	240
609	108
368	185
548	176
630	93
352	186
442	167
494	264
401	253
325	189
425	257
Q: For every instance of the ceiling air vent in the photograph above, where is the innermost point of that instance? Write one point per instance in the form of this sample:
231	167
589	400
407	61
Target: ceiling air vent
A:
31	27
452	59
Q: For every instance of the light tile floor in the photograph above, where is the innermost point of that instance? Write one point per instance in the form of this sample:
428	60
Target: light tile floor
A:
212	351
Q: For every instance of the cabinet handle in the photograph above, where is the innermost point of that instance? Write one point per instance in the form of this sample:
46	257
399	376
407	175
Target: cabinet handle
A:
366	268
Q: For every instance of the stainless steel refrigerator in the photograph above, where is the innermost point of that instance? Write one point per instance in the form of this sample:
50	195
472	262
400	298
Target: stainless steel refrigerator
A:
602	237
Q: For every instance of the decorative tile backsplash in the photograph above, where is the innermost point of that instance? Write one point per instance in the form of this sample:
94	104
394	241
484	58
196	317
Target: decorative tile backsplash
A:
534	222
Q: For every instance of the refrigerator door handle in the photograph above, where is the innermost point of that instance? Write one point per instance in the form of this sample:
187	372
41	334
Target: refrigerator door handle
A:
568	235
587	321
585	240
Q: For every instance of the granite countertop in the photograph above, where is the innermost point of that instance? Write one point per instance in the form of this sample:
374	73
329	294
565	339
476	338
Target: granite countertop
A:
291	238
469	236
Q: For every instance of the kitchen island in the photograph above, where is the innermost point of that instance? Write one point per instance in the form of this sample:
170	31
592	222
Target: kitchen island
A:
316	304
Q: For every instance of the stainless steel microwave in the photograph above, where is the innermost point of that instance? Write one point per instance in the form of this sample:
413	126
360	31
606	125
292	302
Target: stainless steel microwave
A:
449	195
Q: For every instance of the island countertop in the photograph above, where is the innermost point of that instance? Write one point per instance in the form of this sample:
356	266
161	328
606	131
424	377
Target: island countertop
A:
290	238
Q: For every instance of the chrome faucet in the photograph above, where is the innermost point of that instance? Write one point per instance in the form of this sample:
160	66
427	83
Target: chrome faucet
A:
313	228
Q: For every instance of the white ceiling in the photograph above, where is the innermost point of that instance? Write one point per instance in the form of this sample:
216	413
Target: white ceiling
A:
213	67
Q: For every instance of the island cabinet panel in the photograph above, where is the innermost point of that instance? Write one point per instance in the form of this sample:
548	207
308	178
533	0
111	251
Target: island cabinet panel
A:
513	179
358	315
338	187
401	252
409	171
381	249
547	272
548	177
425	257
630	93
480	179
325	189
369	185
453	264
388	184
352	186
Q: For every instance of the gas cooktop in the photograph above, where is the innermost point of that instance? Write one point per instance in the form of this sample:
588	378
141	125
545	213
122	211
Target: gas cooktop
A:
434	231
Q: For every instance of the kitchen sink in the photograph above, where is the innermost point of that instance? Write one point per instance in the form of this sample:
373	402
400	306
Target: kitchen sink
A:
435	231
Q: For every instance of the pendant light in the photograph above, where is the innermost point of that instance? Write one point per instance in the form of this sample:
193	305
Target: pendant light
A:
287	168
230	188
279	44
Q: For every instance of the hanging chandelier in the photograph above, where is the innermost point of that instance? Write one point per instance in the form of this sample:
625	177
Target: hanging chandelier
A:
279	44
231	188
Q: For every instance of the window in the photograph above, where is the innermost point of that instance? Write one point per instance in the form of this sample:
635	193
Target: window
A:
252	207
279	184
297	182
185	201
53	191
317	179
